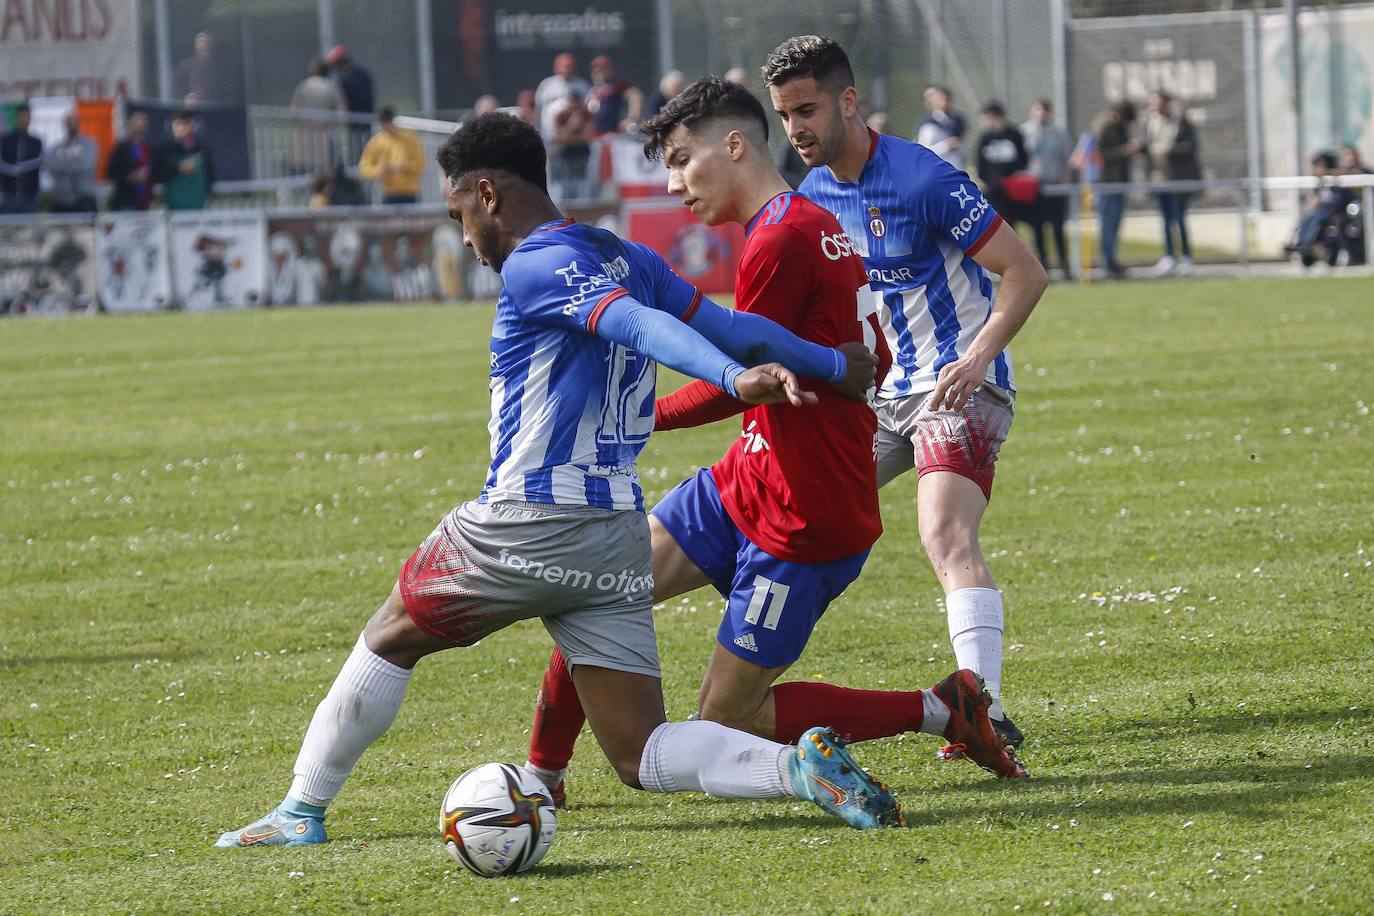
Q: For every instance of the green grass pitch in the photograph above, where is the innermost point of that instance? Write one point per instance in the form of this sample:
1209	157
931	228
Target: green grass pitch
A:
198	512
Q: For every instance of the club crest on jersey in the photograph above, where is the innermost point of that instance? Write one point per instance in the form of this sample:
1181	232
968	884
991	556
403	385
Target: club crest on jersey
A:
877	227
963	197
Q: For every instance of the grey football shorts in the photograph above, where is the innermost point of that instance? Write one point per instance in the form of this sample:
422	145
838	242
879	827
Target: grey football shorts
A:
586	572
965	441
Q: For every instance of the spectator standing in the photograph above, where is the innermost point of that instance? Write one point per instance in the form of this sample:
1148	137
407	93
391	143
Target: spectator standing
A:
202	77
395	158
942	130
553	91
878	122
1049	147
314	147
1116	146
130	168
1002	154
613	102
572	151
184	166
71	165
525	109
670	85
485	104
1171	154
355	84
738	75
21	157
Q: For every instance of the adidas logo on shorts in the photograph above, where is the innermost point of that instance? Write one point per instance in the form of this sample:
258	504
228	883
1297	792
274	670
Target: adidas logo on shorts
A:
747	642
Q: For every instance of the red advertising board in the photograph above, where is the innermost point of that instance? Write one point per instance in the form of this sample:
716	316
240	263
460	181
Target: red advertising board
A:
703	255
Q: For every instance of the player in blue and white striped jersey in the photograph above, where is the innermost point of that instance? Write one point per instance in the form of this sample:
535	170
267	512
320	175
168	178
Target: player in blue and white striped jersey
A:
929	239
559	532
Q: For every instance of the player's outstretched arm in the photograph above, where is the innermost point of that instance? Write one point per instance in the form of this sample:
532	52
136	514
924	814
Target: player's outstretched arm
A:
1023	283
752	339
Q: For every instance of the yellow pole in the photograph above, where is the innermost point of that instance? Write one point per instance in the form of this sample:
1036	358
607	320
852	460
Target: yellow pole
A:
1085	236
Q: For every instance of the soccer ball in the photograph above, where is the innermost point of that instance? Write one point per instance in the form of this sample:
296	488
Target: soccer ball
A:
497	819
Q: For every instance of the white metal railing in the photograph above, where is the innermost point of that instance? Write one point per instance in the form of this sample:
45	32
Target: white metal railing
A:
1247	193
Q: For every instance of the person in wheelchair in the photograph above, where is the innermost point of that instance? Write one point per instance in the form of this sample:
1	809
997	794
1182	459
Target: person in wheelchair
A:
1323	216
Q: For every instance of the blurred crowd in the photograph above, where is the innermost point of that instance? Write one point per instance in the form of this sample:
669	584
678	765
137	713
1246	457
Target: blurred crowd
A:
341	140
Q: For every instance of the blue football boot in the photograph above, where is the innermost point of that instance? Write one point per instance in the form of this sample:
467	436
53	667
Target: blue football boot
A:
822	772
277	829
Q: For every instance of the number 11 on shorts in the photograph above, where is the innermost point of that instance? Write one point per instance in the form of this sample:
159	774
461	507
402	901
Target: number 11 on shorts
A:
770	593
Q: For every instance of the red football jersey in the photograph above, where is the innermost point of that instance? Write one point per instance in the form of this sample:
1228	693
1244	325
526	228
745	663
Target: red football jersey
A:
800	482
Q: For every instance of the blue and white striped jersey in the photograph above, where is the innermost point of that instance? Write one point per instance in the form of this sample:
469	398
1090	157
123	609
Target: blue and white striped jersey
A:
917	221
570	411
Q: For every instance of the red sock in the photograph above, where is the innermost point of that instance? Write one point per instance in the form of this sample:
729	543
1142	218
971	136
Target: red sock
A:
856	715
558	717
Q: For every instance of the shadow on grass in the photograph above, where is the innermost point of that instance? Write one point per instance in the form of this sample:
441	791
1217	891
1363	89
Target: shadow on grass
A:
1236	723
78	661
1252	790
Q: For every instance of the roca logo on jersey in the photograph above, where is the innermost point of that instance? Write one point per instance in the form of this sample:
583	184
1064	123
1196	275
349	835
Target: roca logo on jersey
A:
837	246
582	283
897	275
963	227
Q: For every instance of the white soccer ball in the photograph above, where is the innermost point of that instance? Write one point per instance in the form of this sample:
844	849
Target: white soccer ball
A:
497	819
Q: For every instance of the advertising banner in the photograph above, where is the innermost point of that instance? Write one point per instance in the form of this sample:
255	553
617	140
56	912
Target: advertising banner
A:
47	268
219	259
132	262
503	47
85	49
1199	59
320	256
702	255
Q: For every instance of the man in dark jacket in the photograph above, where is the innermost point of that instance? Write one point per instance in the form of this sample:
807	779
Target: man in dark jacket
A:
1116	146
21	156
184	166
130	168
356	85
1001	154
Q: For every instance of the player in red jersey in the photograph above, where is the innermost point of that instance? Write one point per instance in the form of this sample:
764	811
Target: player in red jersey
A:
782	524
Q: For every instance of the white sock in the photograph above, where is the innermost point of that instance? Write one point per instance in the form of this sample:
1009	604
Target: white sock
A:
707	757
936	714
359	708
550	778
975	629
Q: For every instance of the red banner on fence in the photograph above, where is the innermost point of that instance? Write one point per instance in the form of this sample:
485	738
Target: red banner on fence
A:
704	255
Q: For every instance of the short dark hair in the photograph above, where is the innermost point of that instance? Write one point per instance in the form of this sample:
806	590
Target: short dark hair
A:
23	108
184	114
1325	159
816	56
495	142
708	99
995	109
386	114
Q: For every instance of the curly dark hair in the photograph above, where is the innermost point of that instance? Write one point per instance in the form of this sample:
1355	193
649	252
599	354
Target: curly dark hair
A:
815	56
495	142
708	99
